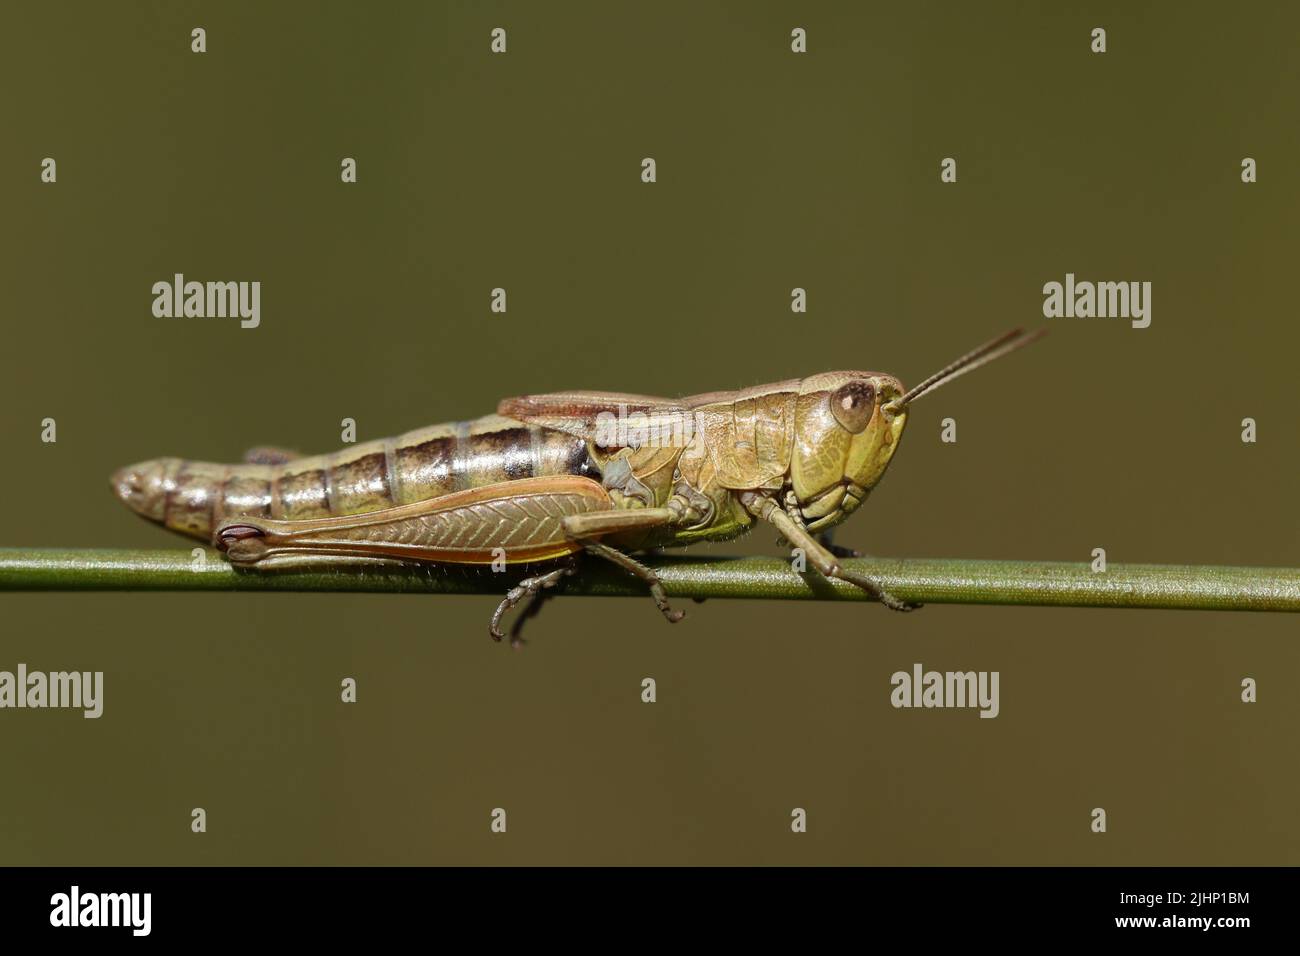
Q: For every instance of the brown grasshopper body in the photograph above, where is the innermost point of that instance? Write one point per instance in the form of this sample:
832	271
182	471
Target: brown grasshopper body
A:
551	475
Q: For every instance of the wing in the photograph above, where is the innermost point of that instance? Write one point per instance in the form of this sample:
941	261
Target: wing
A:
525	518
577	413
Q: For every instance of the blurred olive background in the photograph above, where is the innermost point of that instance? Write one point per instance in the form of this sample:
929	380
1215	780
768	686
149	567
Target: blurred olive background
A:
775	170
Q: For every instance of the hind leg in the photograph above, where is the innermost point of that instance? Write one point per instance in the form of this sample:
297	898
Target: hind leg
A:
534	588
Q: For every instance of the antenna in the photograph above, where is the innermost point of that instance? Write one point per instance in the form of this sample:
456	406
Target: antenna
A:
1004	344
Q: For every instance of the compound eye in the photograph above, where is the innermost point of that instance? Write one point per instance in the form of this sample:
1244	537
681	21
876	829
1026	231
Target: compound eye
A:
853	404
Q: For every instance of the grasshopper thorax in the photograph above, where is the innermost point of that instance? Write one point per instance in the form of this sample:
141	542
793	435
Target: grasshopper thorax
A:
846	432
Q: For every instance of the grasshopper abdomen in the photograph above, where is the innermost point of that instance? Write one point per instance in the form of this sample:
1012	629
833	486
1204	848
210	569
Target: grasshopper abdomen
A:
193	497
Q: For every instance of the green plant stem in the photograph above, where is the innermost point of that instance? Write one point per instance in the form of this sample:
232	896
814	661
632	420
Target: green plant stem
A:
924	580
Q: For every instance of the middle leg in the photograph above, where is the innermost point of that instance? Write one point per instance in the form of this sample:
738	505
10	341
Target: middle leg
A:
587	529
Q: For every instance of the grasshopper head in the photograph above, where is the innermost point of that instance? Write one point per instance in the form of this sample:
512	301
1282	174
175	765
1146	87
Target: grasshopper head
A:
846	432
848	425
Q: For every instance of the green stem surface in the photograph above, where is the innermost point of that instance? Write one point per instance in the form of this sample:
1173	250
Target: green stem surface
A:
924	580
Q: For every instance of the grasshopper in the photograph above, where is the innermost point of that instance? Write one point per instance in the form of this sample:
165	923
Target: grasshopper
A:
550	476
